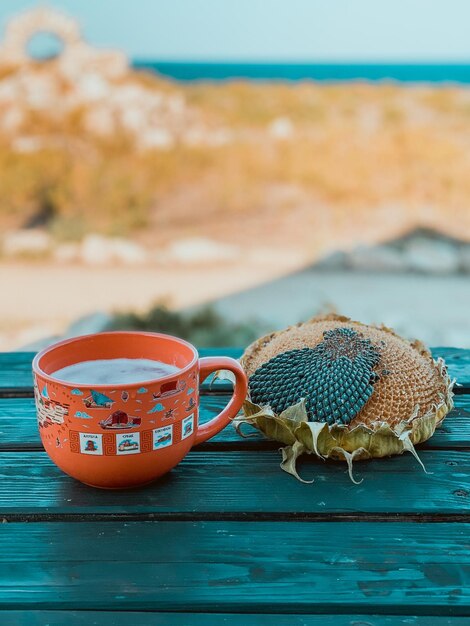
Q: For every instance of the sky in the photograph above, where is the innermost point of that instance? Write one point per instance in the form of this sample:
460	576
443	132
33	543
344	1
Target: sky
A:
273	30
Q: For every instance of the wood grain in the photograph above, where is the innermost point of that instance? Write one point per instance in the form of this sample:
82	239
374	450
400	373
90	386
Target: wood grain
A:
18	428
16	379
248	567
458	361
241	484
133	618
227	532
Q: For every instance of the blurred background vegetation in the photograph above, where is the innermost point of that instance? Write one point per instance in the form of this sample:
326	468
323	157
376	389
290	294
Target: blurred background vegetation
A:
347	147
204	327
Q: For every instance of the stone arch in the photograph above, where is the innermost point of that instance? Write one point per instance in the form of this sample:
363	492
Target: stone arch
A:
22	28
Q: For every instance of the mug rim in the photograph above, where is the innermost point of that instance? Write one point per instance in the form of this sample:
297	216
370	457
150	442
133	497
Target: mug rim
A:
50	377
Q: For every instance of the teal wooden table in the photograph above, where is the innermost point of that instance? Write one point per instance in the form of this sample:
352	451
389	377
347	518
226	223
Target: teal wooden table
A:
228	539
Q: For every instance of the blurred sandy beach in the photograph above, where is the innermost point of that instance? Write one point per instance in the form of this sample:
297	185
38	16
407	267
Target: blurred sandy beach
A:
39	307
275	291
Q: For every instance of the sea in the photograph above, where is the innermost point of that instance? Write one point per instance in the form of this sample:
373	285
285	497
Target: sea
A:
323	72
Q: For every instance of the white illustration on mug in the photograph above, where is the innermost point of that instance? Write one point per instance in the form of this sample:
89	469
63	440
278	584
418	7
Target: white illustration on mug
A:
91	444
162	437
187	426
128	443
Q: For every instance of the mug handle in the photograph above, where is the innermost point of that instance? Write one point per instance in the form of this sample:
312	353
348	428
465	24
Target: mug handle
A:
210	364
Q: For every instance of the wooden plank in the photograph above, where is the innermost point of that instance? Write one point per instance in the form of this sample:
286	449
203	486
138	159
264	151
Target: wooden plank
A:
18	428
246	485
249	567
133	618
455	430
15	368
458	361
15	371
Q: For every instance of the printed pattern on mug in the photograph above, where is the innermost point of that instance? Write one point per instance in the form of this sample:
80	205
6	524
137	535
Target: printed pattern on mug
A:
162	437
109	444
74	438
91	444
128	443
187	426
97	400
146	441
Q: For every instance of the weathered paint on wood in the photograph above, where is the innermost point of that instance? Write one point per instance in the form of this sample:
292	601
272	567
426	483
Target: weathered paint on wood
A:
133	618
259	567
239	484
373	566
15	367
458	362
18	428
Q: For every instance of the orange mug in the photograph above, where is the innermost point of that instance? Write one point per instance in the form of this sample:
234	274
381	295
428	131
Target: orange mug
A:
125	435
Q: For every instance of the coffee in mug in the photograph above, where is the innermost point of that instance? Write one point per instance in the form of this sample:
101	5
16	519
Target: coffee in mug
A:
114	371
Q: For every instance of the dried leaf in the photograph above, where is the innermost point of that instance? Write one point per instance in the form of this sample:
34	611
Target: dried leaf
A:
349	457
296	412
250	409
409	447
239	422
290	454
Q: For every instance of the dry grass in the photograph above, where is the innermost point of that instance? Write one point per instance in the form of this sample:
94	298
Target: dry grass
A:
354	150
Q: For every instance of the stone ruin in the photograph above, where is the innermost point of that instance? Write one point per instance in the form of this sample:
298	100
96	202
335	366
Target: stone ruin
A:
110	96
77	56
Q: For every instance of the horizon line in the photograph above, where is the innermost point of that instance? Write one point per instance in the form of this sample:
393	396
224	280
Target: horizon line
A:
232	61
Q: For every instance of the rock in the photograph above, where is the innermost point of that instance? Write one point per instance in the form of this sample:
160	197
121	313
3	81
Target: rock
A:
26	242
376	259
199	135
27	145
92	87
24	26
128	96
157	138
11	120
129	252
464	259
96	250
333	261
98	85
9	91
431	256
134	119
281	128
195	135
99	250
201	250
220	137
176	104
66	252
82	59
40	91
89	324
76	59
100	120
